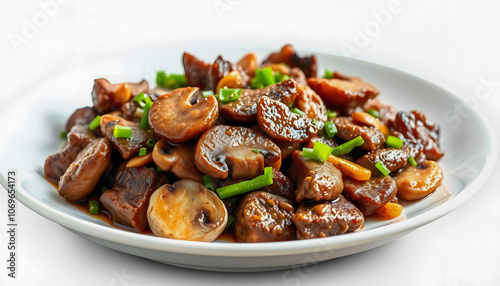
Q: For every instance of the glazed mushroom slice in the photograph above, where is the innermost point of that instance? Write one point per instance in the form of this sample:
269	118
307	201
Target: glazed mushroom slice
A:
127	202
84	173
127	147
414	183
277	121
178	159
327	218
288	56
109	97
348	130
244	110
287	148
177	116
263	217
392	158
343	90
239	151
310	103
186	210
416	126
314	180
370	195
248	63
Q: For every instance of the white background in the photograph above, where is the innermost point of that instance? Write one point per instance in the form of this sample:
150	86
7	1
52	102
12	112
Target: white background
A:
453	42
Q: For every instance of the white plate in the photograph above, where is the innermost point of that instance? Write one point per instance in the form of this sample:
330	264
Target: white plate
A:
33	122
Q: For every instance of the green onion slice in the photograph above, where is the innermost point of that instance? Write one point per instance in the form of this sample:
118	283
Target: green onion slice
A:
120	131
150	143
266	75
207	180
331	114
144	124
394	142
412	161
104	188
330	129
63	134
143	151
319	152
229	94
328	74
256	151
347	146
373	112
207	93
96	122
247	186
298	111
143	99
230	220
382	168
171	81
93	207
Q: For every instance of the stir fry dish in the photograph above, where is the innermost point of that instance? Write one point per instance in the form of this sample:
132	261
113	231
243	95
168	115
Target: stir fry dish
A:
260	150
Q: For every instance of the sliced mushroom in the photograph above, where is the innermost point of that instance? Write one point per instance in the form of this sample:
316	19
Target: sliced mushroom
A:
84	173
179	160
343	90
311	104
288	56
263	217
244	110
186	210
110	97
277	121
417	182
239	151
231	80
348	130
127	147
314	180
176	117
248	63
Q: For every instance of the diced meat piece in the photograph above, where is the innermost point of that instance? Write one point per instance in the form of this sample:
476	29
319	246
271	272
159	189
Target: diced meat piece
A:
370	195
127	147
129	109
83	115
348	130
282	186
109	97
298	75
127	202
311	104
263	217
327	218
387	112
314	180
392	158
287	148
288	56
80	135
342	90
244	110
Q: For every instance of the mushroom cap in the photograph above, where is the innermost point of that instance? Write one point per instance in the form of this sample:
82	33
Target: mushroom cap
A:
177	117
231	149
186	210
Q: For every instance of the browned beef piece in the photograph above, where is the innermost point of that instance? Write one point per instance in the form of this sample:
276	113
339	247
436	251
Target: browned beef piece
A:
127	202
282	186
83	115
288	56
263	217
370	195
327	218
127	147
392	158
348	130
314	180
105	98
56	165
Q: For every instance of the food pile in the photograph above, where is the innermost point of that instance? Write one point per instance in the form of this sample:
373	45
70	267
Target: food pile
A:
266	151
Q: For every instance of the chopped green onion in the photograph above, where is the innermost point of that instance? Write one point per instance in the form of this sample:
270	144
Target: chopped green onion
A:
330	129
230	220
207	180
93	207
171	81
143	151
256	151
291	105
96	122
315	121
331	114
229	94
150	143
120	131
104	188
319	152
309	153
298	111
284	77
347	146
207	93
63	134
382	168
247	186
257	83
144	124
142	99
159	169
266	76
394	142
373	112
328	74
412	161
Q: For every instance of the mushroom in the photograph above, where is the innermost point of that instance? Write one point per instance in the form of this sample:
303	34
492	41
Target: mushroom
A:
373	138
288	56
343	90
84	173
244	110
248	63
414	183
179	160
241	151
186	210
110	97
310	103
176	117
231	80
277	121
